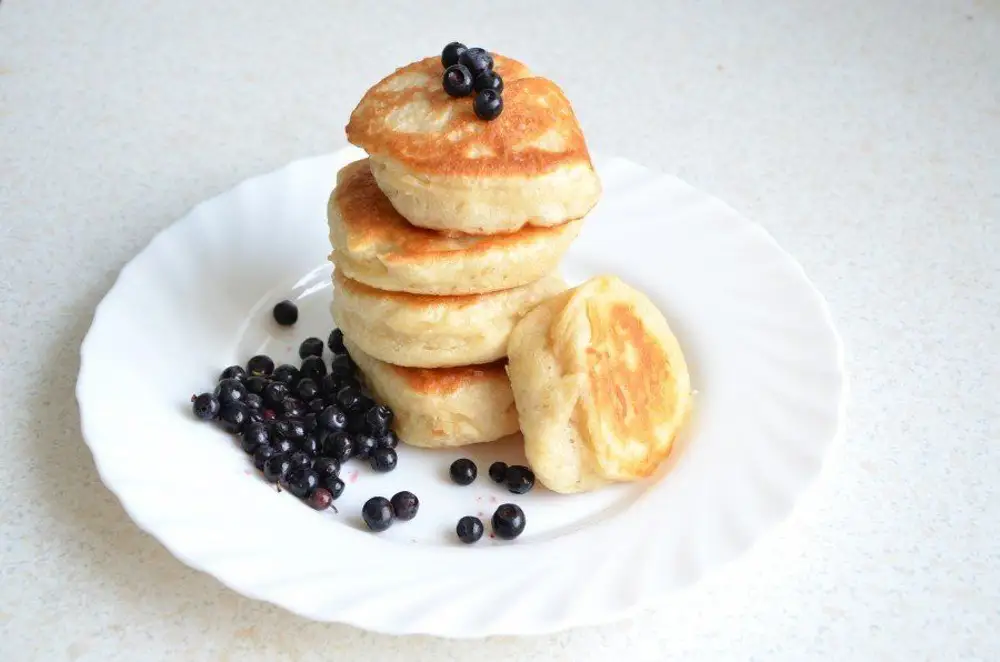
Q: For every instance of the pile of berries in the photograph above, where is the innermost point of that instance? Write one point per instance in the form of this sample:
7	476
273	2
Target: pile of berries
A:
471	69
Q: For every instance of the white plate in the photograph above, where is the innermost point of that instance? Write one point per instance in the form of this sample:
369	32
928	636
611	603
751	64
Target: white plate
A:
763	354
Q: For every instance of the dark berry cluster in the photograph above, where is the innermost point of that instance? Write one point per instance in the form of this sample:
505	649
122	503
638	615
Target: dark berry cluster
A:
508	520
468	70
300	424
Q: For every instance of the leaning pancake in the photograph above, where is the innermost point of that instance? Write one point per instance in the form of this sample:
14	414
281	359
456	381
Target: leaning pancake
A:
442	407
425	331
601	386
444	168
374	245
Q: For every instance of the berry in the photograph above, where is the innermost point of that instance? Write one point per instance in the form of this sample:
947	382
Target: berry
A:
311	347
331	418
457	81
320	499
341	367
205	406
301	481
339	446
285	313
336	342
383	460
309	421
233	417
329	385
451	53
260	365
307	389
364	445
300	459
296	428
253	401
256	384
292	407
230	391
356	423
488	80
255	435
508	521
262	455
276	467
378	418
519	479
254	416
388	440
469	529
377	513
405	505
313	368
498	472
267	414
309	444
283	445
233	372
463	471
316	406
476	60
334	485
286	373
327	467
274	393
349	398
488	105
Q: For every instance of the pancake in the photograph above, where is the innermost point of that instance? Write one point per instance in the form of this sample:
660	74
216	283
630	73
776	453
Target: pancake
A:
374	245
425	331
442	407
444	168
601	386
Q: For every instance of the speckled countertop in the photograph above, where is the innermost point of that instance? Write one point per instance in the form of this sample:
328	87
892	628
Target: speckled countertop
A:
864	134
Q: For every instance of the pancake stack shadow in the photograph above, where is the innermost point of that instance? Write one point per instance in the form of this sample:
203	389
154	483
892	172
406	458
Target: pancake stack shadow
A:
449	233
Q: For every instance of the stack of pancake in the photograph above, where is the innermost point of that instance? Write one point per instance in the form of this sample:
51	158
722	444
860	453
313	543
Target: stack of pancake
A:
446	236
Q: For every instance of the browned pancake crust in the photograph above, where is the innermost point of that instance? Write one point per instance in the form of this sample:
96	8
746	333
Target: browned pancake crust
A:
449	380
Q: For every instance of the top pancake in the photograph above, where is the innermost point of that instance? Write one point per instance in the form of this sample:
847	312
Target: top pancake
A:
409	118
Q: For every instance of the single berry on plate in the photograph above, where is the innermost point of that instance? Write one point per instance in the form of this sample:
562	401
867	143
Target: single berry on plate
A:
320	499
255	435
488	105
405	505
388	440
307	389
274	393
253	401
276	467
283	445
332	418
519	479
206	406
508	521
378	418
336	342
498	472
364	444
463	471
342	367
327	466
300	459
262	455
489	80
469	529
313	368
233	417
260	366
377	513
292	407
229	391
349	398
383	460
233	372
285	313
311	347
286	373
309	444
476	60
451	53
316	406
338	445
334	485
256	384
457	81
296	428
